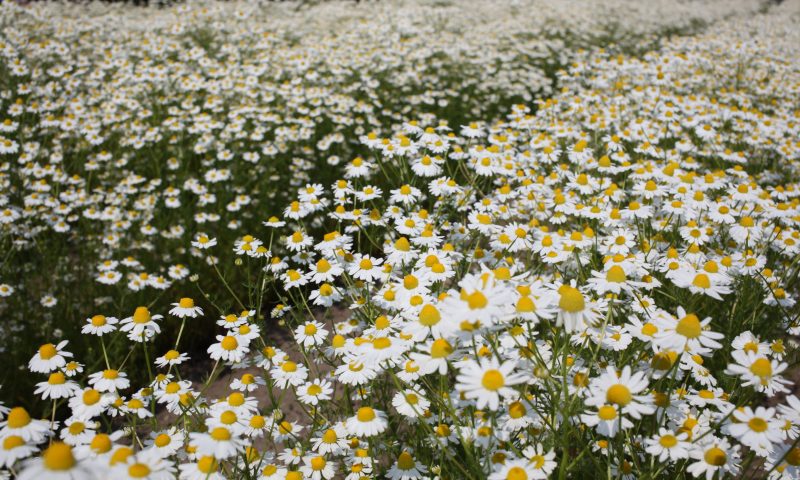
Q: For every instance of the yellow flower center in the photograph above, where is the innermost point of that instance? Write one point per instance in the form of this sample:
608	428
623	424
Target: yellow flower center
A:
616	274
689	326
429	315
571	299
405	461
516	410
120	455
221	434
257	421
607	412
649	329
477	300
751	347
47	351
138	470
493	380
229	343
18	417
101	443
141	315
186	303
58	456
289	366
228	417
707	394
516	473
323	266
207	464
701	280
293	275
668	441
162	440
441	348
619	394
317	463
365	414
330	436
715	456
98	320
793	457
757	424
77	428
526	305
57	378
314	389
13	441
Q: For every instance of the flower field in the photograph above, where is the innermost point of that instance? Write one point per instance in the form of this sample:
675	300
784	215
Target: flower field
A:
405	239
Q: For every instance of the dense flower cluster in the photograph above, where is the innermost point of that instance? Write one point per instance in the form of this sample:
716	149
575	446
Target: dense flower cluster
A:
604	280
129	135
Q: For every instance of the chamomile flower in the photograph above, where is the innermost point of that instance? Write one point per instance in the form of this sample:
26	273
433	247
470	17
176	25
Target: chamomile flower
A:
757	429
219	442
575	311
513	469
228	349
58	462
109	380
88	403
758	371
289	373
624	389
668	446
206	467
99	325
247	383
331	440
367	422
410	403
713	457
686	332
184	308
366	268
203	242
310	334
49	357
166	443
317	467
19	423
312	393
13	449
171	358
406	468
488	381
141	326
57	386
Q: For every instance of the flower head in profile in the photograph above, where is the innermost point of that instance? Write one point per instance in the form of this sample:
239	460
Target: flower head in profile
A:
185	307
576	311
49	357
141	326
367	422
